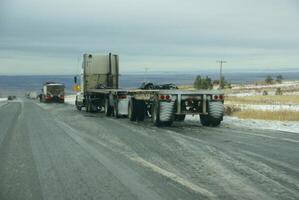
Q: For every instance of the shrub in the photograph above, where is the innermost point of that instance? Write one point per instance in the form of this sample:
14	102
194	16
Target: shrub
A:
279	78
229	110
269	80
278	91
203	83
265	93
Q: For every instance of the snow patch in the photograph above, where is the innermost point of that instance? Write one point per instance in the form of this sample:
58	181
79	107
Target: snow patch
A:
70	99
253	123
289	107
3	99
262	124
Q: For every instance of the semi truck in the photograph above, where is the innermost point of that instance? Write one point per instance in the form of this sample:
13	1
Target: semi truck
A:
100	91
52	92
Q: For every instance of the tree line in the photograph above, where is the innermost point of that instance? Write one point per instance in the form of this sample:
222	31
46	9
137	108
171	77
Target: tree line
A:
206	83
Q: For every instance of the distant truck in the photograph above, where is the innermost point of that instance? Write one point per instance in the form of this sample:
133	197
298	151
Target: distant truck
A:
52	92
32	95
100	92
11	97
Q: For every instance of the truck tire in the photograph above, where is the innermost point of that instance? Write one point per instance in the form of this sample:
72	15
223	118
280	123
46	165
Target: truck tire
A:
78	106
179	118
132	110
140	110
215	116
205	120
88	107
169	123
108	108
156	113
93	108
115	110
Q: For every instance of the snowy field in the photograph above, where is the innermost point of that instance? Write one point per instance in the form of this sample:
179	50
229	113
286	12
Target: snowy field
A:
253	124
261	107
289	88
284	84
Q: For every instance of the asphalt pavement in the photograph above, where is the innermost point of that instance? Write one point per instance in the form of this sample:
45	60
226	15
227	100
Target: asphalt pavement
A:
53	151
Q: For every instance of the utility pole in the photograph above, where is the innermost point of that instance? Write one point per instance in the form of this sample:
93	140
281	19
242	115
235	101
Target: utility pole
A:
220	75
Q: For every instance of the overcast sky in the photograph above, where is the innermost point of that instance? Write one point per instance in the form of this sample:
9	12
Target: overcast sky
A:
49	36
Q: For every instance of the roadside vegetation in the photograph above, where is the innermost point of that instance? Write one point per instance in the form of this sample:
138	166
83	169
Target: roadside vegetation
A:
264	99
207	83
280	115
270	80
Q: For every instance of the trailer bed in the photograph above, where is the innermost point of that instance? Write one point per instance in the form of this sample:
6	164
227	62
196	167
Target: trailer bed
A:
141	91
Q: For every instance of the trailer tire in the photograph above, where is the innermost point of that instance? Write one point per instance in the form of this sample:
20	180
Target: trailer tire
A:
140	109
215	116
205	120
132	110
108	108
78	106
88	107
115	110
156	114
179	118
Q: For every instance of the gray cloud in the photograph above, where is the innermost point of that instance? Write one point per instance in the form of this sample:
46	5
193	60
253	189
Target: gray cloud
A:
164	34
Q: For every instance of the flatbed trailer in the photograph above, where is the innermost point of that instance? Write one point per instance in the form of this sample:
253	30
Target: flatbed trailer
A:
163	106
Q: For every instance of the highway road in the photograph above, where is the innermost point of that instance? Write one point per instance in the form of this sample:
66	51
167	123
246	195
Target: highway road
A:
52	151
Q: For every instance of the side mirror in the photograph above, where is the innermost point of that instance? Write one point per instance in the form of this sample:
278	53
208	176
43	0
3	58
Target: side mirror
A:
75	79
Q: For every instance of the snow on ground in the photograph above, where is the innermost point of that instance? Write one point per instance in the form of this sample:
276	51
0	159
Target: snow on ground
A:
253	124
3	99
279	107
262	124
254	93
243	94
288	88
70	99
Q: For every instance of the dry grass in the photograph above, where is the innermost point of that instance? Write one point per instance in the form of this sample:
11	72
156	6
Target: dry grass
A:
186	87
277	99
281	115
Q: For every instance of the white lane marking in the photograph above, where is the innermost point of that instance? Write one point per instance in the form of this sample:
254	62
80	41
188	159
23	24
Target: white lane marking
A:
134	157
124	175
172	176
